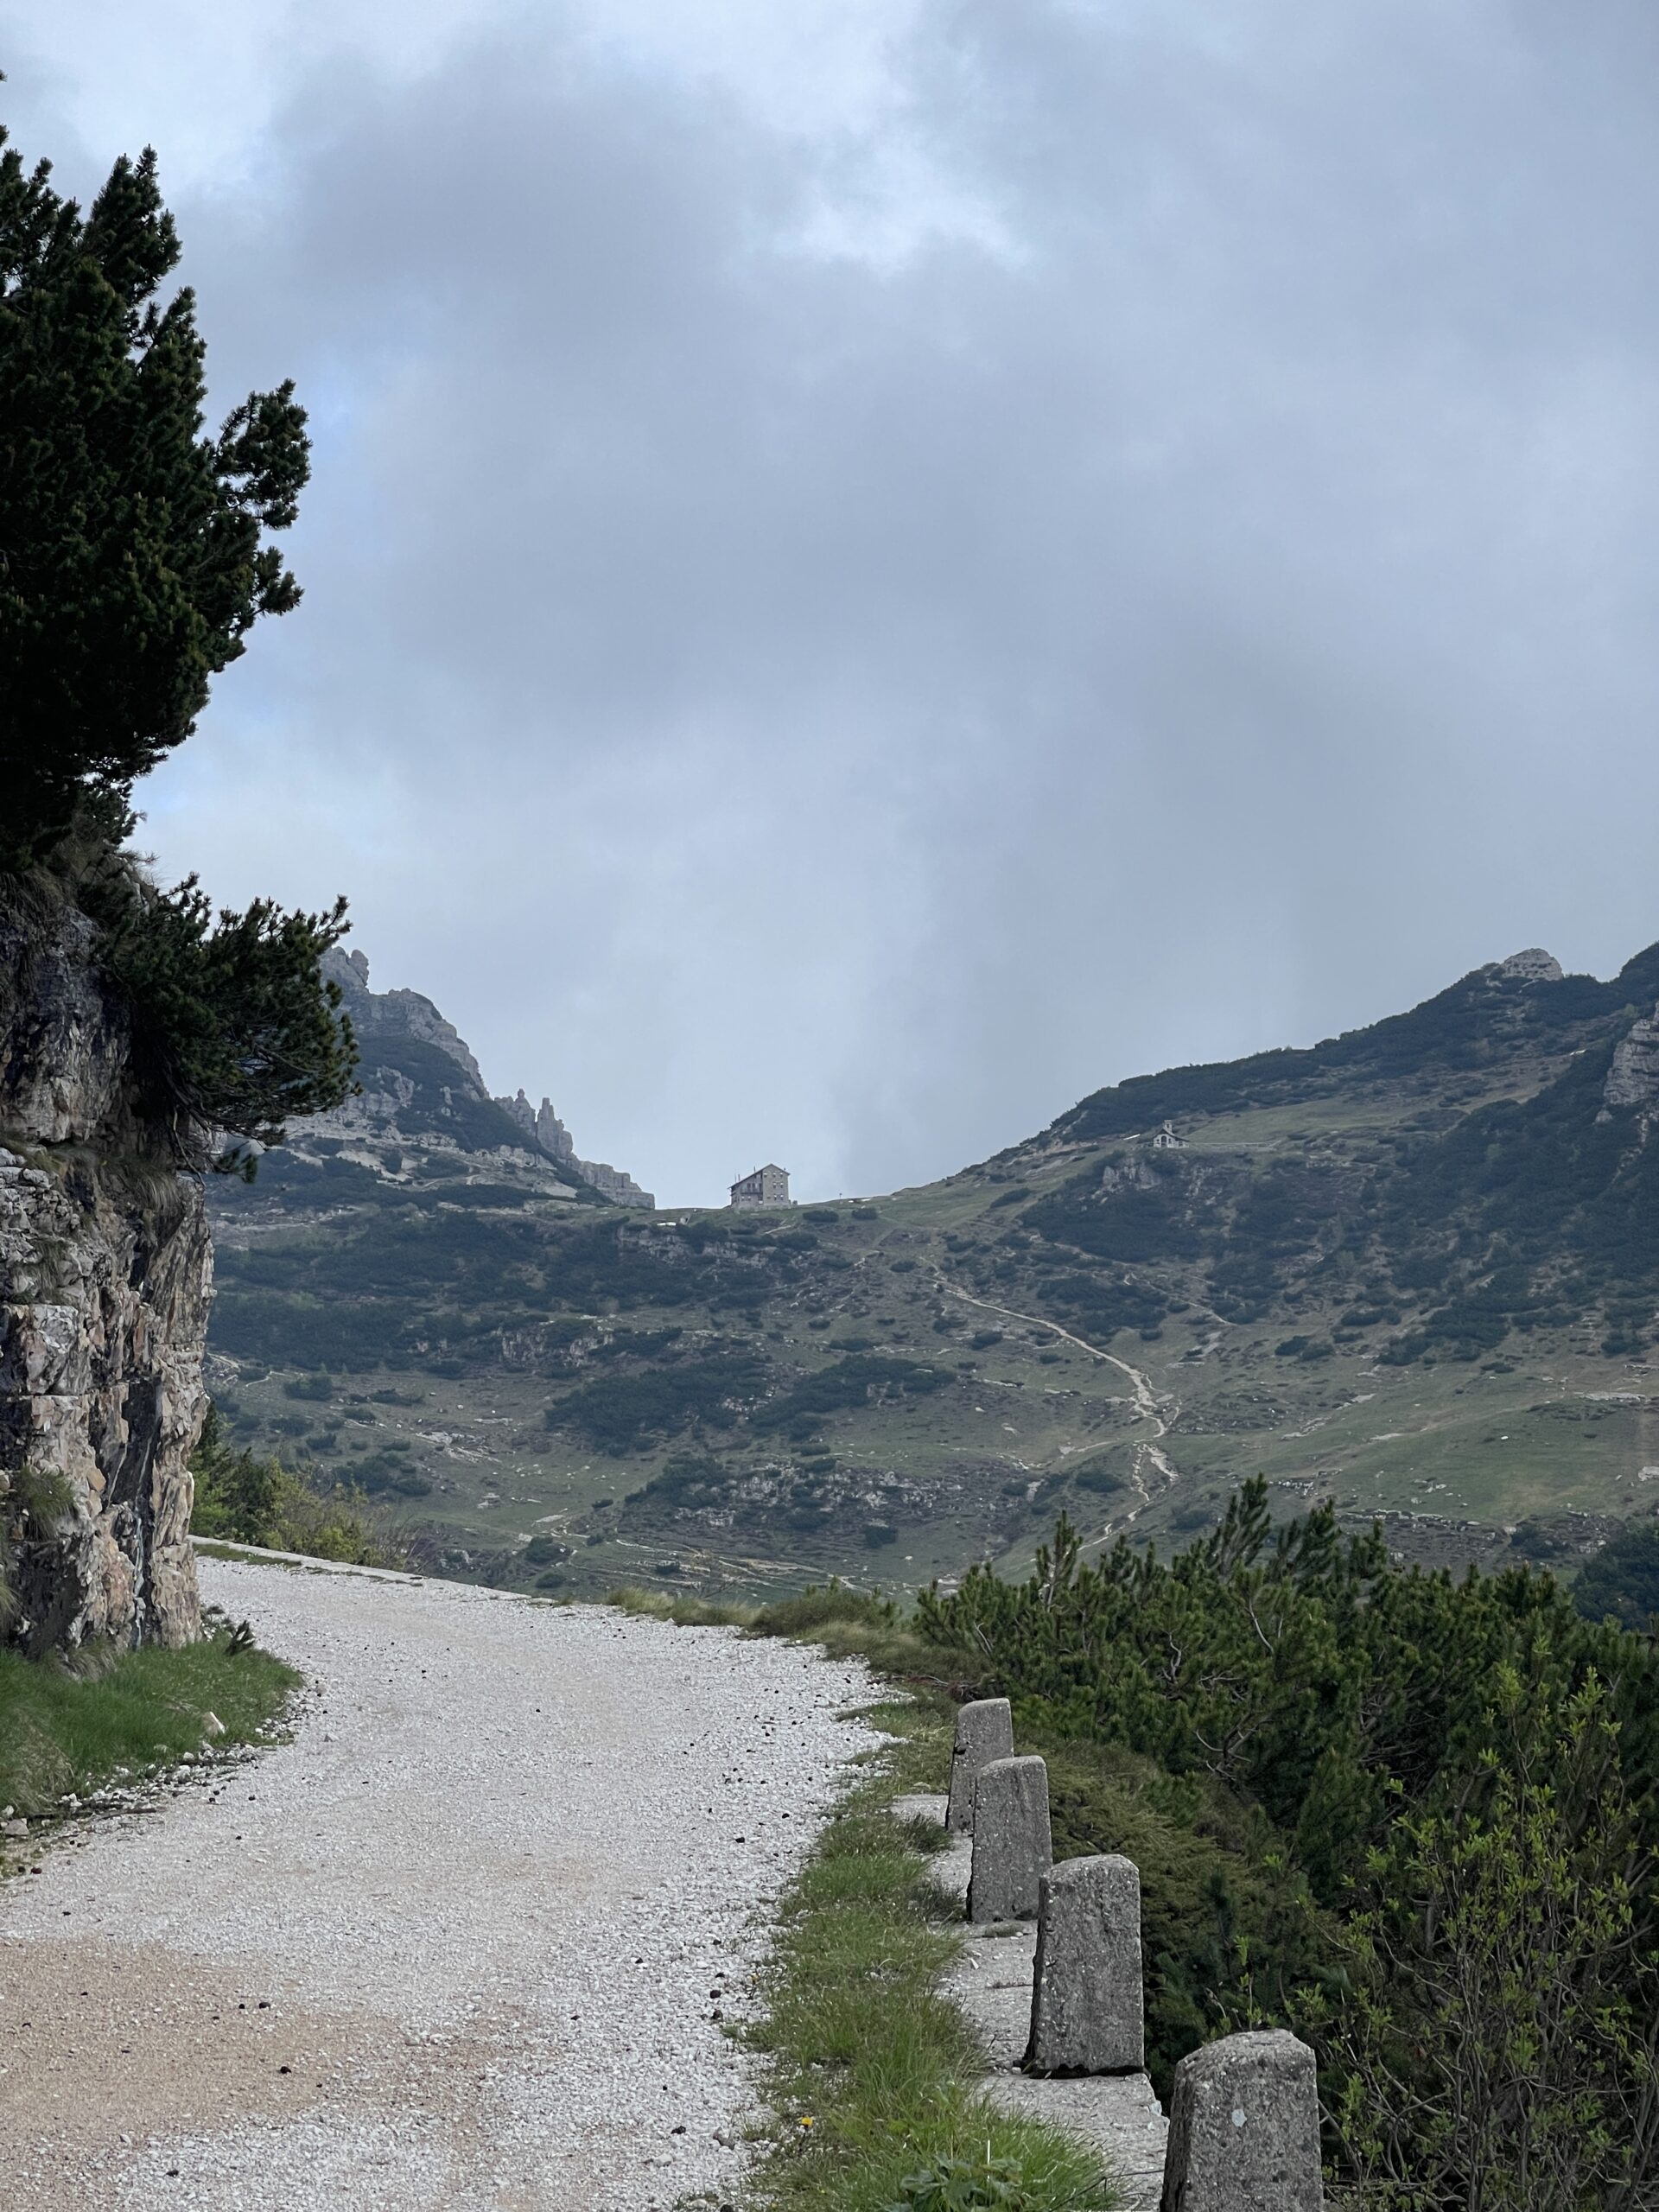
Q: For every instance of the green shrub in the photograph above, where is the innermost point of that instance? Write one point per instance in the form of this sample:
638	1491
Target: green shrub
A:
1324	1737
234	1029
685	1611
1227	1924
242	1498
618	1414
1497	2051
819	1604
1621	1582
389	1471
1101	1480
857	1380
1130	1223
968	2185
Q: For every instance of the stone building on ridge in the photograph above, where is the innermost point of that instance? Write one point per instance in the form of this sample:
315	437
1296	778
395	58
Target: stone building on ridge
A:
765	1187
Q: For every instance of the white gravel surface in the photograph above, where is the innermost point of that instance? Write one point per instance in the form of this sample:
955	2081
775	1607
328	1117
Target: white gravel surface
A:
466	1941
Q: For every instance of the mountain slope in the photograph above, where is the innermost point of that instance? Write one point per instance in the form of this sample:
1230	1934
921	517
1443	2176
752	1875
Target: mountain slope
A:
1414	1269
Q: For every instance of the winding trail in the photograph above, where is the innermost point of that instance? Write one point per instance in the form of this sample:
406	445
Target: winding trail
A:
467	1943
1150	1405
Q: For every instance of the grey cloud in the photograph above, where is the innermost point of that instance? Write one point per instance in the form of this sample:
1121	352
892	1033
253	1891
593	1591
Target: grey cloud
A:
840	701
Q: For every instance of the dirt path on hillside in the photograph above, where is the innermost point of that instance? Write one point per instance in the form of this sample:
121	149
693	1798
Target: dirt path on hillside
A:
1158	1409
466	1942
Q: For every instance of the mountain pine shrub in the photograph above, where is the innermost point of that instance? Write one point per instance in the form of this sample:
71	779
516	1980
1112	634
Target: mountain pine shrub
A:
1414	1818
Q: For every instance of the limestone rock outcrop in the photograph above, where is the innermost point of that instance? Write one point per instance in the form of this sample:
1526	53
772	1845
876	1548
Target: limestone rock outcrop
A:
105	1280
1535	965
395	1014
422	1106
549	1132
420	1111
1633	1079
543	1124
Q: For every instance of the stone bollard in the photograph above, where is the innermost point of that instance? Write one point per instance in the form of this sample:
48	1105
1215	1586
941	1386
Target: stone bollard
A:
1244	2128
984	1732
1087	2002
1012	1847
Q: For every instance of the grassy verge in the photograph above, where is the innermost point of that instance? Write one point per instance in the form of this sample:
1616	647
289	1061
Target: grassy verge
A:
848	1624
871	2076
68	1729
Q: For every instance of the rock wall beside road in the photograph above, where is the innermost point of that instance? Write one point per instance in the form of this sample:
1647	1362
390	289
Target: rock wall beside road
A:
105	1280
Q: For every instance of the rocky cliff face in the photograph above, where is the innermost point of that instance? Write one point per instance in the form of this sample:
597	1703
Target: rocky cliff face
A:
420	1114
421	1109
377	1015
1633	1079
105	1279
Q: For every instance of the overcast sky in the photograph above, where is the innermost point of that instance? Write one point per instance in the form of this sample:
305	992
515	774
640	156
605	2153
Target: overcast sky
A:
873	566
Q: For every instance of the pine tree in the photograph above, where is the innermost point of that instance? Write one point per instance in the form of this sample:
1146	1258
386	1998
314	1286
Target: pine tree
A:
133	551
133	559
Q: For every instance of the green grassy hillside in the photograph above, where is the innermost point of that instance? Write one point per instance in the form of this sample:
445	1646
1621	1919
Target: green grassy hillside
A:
1413	1269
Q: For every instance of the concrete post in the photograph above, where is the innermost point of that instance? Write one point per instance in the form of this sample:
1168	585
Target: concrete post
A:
1087	2001
1012	1847
984	1732
1244	2128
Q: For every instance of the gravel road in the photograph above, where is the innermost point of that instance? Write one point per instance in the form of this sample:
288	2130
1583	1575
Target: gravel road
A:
466	1941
